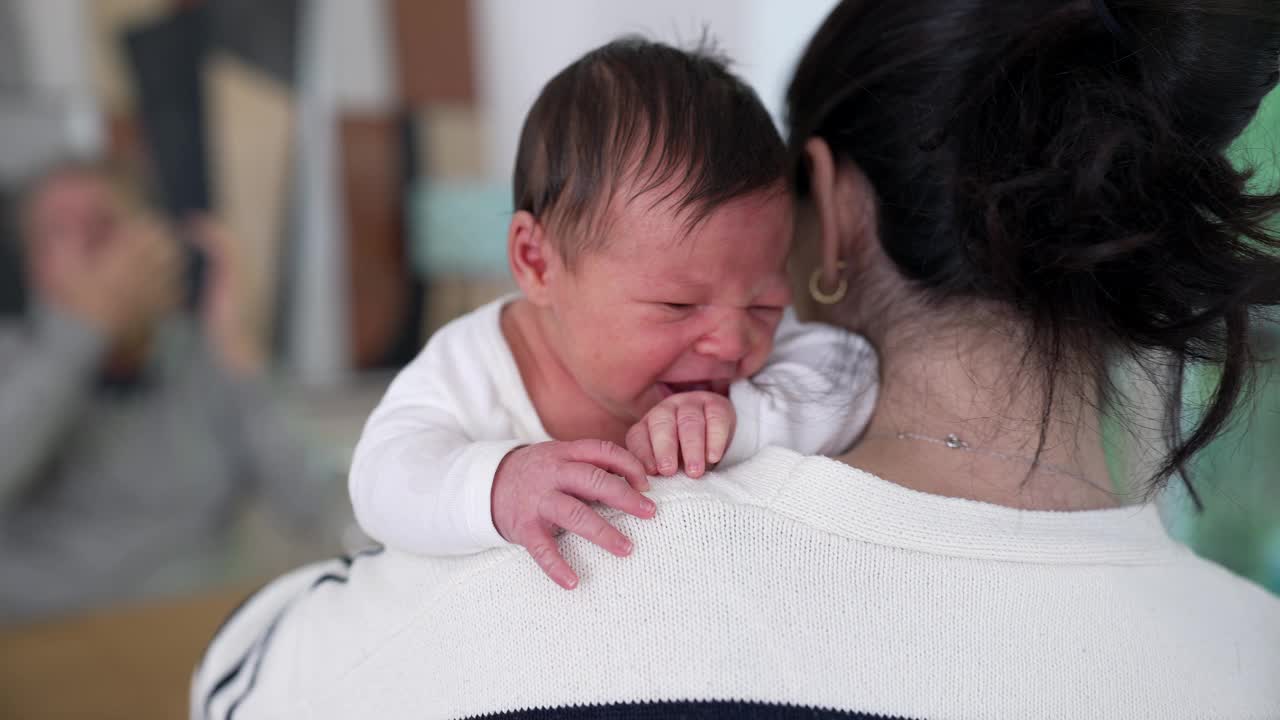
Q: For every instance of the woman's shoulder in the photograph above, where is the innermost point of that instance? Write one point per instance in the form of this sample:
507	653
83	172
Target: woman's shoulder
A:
1213	598
755	481
793	580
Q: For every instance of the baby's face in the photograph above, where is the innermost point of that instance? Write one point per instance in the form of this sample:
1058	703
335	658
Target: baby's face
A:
661	309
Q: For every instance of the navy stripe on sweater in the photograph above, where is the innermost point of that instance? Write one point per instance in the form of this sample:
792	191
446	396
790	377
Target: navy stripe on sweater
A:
259	646
710	710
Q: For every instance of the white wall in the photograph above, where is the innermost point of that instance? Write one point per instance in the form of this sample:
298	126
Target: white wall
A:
519	46
777	32
54	41
358	38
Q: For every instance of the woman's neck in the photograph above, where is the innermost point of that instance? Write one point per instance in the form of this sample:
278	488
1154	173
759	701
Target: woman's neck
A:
967	383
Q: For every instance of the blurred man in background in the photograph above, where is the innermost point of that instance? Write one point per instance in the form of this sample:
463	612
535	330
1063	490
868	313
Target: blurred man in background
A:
130	433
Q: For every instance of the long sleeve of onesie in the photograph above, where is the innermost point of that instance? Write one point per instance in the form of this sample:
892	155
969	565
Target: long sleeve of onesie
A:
423	469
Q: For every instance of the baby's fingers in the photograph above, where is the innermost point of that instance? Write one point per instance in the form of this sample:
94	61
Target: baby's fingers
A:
544	551
595	484
577	517
662	435
639	444
691	425
720	426
611	457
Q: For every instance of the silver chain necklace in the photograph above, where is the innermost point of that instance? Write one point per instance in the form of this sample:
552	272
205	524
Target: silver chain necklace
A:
954	442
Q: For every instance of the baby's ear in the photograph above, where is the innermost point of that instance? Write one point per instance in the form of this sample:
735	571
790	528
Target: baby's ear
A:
532	258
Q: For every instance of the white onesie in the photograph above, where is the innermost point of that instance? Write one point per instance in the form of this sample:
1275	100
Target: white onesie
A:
424	466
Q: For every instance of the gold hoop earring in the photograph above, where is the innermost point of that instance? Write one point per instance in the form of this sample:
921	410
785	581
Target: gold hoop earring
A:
828	298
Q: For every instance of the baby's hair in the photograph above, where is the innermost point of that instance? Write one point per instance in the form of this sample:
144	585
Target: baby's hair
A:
645	116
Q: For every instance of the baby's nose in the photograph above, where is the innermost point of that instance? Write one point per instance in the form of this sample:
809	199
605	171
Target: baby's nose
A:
729	341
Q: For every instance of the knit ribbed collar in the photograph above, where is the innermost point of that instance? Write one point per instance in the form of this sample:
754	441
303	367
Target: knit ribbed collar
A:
852	503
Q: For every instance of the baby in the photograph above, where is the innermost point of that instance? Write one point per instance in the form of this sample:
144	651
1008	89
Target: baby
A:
649	242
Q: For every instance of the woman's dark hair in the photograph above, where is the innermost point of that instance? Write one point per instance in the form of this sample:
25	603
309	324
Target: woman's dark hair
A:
1066	158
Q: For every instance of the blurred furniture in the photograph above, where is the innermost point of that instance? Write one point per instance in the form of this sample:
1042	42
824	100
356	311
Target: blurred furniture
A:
166	57
330	418
434	52
251	121
384	297
128	663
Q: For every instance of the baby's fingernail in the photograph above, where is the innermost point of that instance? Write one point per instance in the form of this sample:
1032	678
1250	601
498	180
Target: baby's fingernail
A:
713	458
648	506
625	547
695	470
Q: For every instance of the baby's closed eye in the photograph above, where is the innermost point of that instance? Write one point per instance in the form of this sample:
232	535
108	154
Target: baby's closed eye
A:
676	310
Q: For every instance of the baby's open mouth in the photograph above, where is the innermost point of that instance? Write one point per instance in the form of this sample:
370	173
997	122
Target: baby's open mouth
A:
716	386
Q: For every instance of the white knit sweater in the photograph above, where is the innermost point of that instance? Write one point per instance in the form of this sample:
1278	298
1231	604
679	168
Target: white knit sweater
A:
788	586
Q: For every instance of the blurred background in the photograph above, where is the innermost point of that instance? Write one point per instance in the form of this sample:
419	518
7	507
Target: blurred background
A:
353	158
356	155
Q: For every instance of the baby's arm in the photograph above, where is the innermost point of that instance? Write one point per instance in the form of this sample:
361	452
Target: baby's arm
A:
418	482
815	395
423	482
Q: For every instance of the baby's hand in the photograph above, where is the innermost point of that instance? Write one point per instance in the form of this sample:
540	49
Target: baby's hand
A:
542	487
694	426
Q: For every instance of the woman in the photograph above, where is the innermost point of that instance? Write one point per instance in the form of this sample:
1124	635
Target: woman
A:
1004	196
1038	203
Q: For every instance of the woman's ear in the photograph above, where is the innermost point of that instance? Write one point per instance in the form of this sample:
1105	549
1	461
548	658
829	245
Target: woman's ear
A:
533	261
842	197
822	184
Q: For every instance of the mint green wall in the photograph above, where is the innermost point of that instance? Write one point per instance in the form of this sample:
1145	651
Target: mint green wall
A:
1239	475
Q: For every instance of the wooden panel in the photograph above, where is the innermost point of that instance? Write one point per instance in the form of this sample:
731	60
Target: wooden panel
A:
376	259
453	143
112	80
251	120
434	51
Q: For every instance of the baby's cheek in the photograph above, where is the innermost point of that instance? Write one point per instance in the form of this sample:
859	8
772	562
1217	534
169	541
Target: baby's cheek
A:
651	357
762	344
757	358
